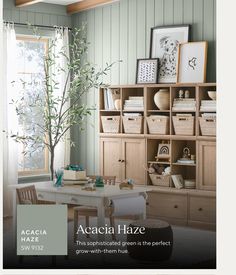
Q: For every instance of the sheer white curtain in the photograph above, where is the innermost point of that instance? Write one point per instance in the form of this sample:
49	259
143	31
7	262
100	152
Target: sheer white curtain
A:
62	150
10	120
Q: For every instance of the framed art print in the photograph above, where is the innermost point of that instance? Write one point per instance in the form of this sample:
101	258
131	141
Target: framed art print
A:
164	45
147	71
192	61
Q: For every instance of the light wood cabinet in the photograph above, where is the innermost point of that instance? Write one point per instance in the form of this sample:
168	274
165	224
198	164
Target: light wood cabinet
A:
110	157
207	165
123	158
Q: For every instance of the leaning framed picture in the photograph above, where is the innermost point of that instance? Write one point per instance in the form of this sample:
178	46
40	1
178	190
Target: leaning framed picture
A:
147	71
192	62
164	45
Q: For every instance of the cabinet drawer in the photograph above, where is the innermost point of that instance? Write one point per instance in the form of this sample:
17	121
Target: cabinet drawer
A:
167	205
202	209
46	196
66	199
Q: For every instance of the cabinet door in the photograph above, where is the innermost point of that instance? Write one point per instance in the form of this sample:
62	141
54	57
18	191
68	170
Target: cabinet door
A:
207	165
133	160
110	157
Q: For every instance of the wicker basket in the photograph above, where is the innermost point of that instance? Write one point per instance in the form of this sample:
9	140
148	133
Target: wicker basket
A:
160	180
110	124
183	125
158	125
133	124
208	126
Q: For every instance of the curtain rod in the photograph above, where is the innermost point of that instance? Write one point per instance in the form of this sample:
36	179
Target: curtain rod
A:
35	25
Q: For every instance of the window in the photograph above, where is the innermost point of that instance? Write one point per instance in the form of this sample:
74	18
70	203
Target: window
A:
30	79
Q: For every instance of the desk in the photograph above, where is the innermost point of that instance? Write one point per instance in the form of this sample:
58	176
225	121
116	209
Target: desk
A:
75	195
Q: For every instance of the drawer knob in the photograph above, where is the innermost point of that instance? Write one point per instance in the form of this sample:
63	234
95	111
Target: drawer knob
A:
147	203
200	209
176	206
119	160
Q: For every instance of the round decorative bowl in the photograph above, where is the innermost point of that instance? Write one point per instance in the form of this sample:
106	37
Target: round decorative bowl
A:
212	95
117	104
162	99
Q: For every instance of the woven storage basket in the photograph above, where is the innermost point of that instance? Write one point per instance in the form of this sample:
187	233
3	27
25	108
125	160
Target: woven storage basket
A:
160	180
133	124
158	125
110	124
208	126
183	125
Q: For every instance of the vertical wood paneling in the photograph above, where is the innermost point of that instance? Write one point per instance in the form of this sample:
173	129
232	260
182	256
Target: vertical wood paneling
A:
159	12
124	42
106	21
150	21
90	165
208	34
132	41
188	11
115	42
168	12
98	60
197	30
178	12
141	29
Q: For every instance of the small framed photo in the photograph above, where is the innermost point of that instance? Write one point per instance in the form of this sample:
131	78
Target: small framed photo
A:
164	45
192	62
147	71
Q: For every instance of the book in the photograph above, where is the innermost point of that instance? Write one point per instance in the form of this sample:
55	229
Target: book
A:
178	181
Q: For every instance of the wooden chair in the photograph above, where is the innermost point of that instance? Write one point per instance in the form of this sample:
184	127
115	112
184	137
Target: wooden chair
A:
27	195
92	211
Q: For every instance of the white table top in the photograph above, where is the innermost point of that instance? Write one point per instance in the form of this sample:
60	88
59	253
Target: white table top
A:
107	191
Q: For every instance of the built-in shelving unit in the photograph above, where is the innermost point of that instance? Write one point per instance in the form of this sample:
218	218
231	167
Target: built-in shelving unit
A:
137	151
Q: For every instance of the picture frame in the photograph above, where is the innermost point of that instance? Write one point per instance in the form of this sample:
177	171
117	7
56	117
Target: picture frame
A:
178	181
163	152
192	62
147	71
164	45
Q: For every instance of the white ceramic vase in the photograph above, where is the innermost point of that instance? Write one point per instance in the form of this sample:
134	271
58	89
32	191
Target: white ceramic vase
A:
117	104
162	99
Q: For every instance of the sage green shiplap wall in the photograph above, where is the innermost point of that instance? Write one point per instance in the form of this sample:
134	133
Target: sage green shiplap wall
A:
41	14
122	31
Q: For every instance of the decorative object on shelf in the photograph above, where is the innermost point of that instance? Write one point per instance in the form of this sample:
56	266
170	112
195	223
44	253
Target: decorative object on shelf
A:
164	45
183	124
87	188
117	104
127	184
212	95
186	94
99	182
59	177
192	62
163	151
158	125
110	124
190	184
208	124
181	93
147	71
110	97
178	181
162	99
186	158
159	174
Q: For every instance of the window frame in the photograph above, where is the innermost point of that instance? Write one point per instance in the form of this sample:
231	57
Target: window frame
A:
45	170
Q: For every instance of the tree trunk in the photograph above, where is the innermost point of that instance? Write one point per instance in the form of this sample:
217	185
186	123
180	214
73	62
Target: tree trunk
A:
52	164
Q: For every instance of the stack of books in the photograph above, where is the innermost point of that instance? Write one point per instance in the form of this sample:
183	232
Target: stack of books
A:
132	114
184	104
75	182
110	95
209	115
208	106
134	103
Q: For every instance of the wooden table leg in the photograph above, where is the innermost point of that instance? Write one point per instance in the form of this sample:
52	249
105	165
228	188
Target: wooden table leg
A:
101	218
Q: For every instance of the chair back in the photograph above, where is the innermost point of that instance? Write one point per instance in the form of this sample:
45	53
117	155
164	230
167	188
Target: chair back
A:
109	180
27	195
